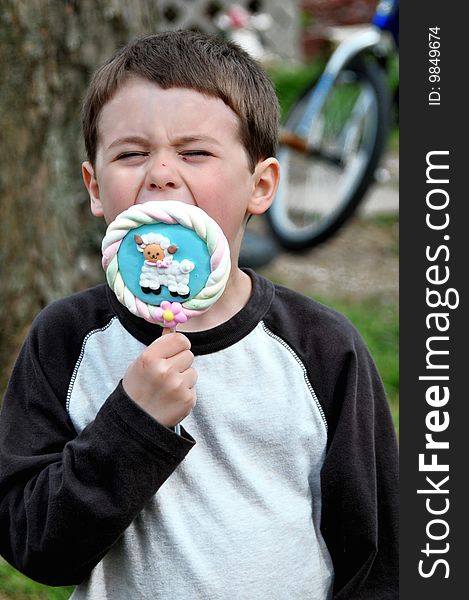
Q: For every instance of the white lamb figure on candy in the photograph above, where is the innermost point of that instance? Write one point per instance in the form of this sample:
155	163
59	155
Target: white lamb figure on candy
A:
160	268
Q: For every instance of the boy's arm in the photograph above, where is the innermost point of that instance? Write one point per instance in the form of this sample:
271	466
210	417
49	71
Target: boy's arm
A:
360	483
359	478
66	498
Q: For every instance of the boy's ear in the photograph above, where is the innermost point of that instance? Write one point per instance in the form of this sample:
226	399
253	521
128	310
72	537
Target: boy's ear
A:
92	186
266	178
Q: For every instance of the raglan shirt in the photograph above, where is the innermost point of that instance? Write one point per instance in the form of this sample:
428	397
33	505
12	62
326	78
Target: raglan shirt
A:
282	483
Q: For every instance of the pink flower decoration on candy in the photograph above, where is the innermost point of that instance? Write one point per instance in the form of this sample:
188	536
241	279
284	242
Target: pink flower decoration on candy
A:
170	314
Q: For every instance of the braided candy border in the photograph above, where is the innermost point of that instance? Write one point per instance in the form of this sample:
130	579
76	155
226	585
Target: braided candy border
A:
170	212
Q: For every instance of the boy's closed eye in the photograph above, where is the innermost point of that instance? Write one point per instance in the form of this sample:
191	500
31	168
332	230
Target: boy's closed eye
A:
188	154
132	154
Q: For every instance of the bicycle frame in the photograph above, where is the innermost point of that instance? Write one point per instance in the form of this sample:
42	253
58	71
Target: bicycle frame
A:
385	19
335	134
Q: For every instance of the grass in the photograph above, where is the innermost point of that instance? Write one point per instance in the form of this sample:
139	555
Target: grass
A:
290	82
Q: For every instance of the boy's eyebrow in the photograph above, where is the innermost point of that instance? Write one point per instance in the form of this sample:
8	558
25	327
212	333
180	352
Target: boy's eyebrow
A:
132	139
187	139
179	141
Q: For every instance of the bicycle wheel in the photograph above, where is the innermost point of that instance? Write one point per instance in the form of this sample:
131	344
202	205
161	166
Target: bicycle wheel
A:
323	182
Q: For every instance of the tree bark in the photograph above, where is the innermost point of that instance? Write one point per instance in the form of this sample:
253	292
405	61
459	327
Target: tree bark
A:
48	51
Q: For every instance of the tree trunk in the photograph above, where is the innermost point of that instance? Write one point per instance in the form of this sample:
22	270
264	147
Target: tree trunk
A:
48	50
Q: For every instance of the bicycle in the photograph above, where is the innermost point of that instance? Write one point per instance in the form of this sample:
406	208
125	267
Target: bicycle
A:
334	136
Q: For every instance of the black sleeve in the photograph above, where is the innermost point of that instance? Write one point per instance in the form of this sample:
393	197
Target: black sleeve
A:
359	478
360	484
66	498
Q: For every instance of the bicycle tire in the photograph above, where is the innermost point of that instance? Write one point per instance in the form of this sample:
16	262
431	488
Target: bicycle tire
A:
320	190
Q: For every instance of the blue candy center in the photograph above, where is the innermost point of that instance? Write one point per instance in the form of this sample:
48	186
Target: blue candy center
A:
189	246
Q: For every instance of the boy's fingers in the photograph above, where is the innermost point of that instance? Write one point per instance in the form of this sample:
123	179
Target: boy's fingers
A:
168	345
182	361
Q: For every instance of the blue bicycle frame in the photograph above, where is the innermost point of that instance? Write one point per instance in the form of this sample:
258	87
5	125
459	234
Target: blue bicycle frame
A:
386	18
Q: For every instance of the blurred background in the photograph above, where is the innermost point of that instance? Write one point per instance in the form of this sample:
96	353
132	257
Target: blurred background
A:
49	242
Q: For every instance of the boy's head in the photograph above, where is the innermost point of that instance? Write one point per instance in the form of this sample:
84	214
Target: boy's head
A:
182	116
191	60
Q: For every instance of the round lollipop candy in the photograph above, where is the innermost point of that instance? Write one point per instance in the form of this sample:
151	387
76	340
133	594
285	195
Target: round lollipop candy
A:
166	261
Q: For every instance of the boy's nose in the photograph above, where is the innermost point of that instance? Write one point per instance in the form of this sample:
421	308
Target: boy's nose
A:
161	176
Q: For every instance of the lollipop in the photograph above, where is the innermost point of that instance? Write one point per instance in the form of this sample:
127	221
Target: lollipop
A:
166	261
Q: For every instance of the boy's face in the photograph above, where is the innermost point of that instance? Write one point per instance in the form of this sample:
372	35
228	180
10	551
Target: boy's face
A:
175	144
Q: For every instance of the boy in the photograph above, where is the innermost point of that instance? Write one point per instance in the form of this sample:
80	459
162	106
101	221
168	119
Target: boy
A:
282	483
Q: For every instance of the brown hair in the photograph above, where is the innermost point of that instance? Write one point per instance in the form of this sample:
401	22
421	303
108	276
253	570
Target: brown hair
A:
205	63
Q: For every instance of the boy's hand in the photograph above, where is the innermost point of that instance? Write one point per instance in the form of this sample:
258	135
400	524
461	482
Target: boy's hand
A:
161	380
